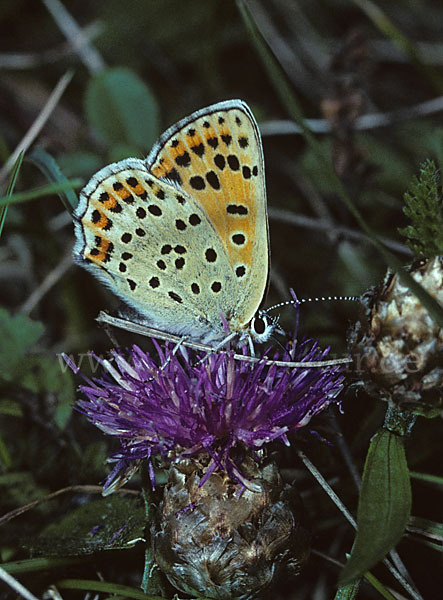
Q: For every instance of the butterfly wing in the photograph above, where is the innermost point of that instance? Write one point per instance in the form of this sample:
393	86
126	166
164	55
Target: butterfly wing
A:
215	155
153	245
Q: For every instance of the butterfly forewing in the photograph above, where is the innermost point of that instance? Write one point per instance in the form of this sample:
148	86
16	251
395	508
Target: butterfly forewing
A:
216	156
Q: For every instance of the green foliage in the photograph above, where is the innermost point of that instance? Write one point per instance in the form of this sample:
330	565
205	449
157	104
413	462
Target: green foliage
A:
117	592
432	529
41	192
424	207
384	505
122	109
17	335
76	164
48	165
19	488
43	375
33	372
113	523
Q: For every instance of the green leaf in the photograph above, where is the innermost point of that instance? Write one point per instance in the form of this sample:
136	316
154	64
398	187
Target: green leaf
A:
113	589
437	479
36	373
121	151
79	164
122	109
17	335
112	523
424	208
380	587
42	374
11	408
427	528
49	167
35	565
384	505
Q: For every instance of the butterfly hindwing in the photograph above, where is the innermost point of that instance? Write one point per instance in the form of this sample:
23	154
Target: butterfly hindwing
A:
155	248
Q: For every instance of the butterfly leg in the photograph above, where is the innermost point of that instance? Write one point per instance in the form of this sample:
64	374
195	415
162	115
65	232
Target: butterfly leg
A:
109	332
219	346
251	346
176	348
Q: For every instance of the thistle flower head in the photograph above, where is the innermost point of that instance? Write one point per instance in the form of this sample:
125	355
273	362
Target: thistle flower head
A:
397	344
218	407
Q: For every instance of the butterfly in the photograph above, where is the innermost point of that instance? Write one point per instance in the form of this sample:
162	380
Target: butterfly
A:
182	236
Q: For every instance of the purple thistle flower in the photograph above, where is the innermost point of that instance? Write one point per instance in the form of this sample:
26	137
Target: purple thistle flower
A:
219	407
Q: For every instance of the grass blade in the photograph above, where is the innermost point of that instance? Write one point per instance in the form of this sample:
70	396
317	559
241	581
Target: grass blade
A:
11	185
45	190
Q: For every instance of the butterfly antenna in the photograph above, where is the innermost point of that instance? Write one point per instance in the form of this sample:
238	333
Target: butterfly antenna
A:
305	300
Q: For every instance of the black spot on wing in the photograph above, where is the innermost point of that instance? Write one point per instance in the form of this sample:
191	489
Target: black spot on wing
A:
198	149
194	220
173	175
233	162
197	182
237	209
238	239
213	180
211	255
183	160
155	210
213	142
220	161
175	297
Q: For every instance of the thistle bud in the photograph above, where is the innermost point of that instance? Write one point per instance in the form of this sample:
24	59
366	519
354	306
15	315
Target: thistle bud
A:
397	346
222	540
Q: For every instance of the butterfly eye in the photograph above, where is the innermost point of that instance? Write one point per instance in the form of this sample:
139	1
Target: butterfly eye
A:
259	325
262	327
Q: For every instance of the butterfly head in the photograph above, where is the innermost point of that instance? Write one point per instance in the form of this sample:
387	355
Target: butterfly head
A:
262	326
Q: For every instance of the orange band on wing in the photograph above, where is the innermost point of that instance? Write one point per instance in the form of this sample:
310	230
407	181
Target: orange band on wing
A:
102	252
123	193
